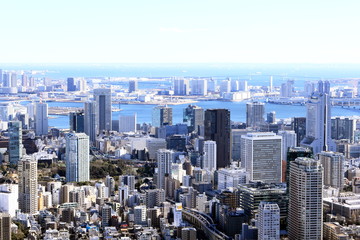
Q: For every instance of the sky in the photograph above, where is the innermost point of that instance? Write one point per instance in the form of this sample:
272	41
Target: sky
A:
179	31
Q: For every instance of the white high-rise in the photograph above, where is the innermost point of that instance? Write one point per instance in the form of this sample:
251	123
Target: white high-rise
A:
181	87
318	121
231	177
41	119
209	158
288	141
77	157
199	87
333	164
261	156
102	97
127	123
28	198
164	162
268	221
305	200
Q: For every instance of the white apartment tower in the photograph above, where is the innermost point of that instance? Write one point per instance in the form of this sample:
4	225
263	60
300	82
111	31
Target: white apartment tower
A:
77	157
268	221
305	199
209	158
28	197
164	162
261	156
127	123
333	164
288	141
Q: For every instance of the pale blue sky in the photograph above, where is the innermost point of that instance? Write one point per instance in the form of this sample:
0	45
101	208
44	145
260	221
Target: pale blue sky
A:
159	31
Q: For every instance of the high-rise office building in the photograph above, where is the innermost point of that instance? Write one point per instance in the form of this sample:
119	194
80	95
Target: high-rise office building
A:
15	141
298	124
127	123
288	141
255	114
269	221
5	226
199	87
102	98
133	85
28	197
181	87
261	156
318	121
6	79
292	154
162	116
209	157
305	201
77	121
164	162
24	80
41	119
77	157
90	123
194	118
71	86
234	85
343	128
217	128
271	117
333	164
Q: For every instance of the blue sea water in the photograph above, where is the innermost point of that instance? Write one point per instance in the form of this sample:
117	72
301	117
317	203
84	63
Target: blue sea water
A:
237	111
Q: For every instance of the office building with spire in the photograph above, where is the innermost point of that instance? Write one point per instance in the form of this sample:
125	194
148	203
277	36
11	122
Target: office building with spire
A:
318	120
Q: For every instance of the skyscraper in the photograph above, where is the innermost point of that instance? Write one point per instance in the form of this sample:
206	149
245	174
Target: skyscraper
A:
333	164
28	198
299	126
127	123
209	158
271	117
71	86
194	118
91	127
305	203
161	116
199	87
15	141
261	156
292	154
218	129
255	114
343	128
318	121
5	226
181	87
288	140
77	121
102	98
164	162
41	119
269	221
77	157
133	85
